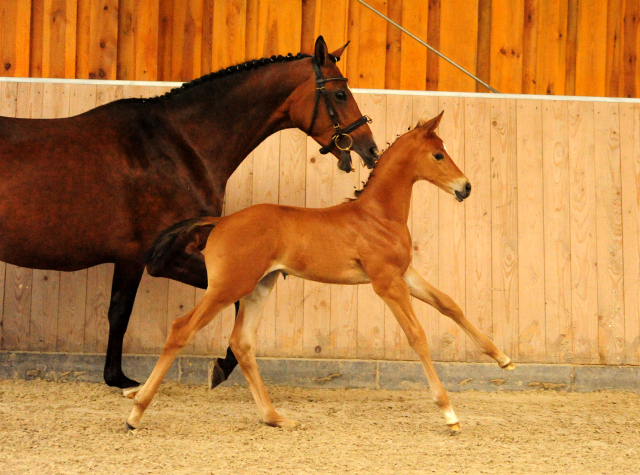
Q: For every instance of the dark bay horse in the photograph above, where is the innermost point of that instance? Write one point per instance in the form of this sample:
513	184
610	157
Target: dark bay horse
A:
101	186
362	241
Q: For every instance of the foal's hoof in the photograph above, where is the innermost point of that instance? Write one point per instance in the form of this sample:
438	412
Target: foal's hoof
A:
282	423
129	426
454	428
509	366
131	392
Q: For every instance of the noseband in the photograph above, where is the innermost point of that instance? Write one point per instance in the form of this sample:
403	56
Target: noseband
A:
339	131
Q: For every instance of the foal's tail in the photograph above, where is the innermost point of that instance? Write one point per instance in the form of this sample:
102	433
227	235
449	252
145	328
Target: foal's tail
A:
175	239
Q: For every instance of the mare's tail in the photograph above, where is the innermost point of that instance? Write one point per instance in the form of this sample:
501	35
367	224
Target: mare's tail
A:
174	240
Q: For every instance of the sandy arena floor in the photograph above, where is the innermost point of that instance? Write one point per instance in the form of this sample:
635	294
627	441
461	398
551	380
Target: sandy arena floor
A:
51	428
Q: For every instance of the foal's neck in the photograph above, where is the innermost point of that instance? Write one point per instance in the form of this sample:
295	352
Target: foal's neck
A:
226	118
388	191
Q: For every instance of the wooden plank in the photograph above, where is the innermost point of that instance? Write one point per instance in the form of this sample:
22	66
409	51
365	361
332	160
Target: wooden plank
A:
316	334
353	34
452	239
584	276
290	291
452	15
17	281
59	39
504	217
72	300
229	26
165	39
630	181
611	306
399	119
279	27
424	233
97	39
552	40
477	155
126	40
506	45
187	40
138	26
370	339
207	36
330	21
483	60
613	52
591	49
531	298
557	234
266	178
413	60
530	45
571	48
371	56
433	39
393	44
14	38
629	48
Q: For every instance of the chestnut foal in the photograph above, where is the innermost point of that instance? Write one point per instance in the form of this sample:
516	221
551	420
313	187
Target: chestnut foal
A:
361	241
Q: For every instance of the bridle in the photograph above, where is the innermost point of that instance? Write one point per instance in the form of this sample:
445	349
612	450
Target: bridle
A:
339	131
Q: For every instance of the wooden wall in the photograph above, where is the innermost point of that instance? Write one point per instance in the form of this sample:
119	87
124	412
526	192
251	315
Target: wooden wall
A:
544	257
569	47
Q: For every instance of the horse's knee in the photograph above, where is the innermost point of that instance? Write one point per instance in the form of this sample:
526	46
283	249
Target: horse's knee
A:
240	346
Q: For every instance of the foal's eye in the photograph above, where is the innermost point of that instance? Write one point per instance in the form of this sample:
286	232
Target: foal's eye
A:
341	96
438	156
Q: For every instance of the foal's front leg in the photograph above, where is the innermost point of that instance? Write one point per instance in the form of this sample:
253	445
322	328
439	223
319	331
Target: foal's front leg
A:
243	344
426	292
395	293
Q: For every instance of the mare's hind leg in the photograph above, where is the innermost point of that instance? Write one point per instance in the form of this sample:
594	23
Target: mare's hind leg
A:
396	295
243	343
424	291
182	330
126	279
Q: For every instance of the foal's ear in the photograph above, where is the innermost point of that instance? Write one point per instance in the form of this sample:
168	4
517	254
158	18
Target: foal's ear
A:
431	125
337	53
320	50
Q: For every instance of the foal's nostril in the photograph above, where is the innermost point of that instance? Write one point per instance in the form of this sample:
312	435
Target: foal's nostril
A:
467	188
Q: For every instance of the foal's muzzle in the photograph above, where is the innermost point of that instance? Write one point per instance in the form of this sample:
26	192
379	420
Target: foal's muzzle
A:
464	193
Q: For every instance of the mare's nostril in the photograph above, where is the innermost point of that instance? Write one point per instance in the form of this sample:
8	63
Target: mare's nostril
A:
374	151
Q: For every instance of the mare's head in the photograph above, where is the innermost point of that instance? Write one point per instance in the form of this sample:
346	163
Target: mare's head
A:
324	107
433	163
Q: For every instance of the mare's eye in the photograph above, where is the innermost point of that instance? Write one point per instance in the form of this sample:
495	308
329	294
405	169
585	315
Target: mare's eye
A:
341	96
438	156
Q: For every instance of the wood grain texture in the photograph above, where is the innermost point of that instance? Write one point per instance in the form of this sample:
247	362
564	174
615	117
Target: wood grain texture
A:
531	297
504	219
551	37
507	21
451	234
458	25
557	232
584	277
630	181
477	143
97	39
611	306
591	49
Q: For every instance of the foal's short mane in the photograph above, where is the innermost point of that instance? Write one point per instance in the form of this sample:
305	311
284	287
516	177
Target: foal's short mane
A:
225	72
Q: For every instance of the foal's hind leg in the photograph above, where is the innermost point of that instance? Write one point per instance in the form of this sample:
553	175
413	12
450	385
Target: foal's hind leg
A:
424	291
182	330
395	293
243	344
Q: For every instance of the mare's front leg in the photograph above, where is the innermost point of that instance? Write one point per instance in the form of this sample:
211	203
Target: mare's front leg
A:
126	279
187	266
424	291
395	292
182	330
243	343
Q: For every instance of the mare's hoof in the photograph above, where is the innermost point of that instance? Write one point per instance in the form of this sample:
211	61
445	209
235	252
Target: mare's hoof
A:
129	426
509	366
131	392
121	382
216	375
455	428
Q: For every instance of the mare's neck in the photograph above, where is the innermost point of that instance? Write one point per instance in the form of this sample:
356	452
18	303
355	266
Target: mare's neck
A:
224	119
388	192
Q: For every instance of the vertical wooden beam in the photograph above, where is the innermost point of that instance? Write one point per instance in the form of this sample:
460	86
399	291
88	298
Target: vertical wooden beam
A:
230	28
552	40
611	338
591	51
571	48
413	60
15	18
530	46
613	55
165	40
483	61
433	39
507	21
186	45
97	39
631	20
531	297
458	26
138	26
477	161
393	44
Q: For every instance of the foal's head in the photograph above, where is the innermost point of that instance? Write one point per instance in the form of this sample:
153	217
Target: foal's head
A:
433	163
336	122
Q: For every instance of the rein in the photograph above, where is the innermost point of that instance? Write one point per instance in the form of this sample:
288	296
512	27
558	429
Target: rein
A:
339	131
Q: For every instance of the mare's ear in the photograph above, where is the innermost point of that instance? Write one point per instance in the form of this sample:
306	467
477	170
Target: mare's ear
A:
431	125
337	53
320	50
